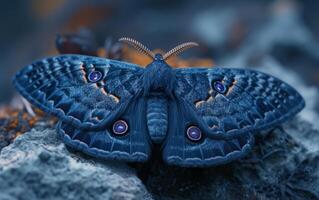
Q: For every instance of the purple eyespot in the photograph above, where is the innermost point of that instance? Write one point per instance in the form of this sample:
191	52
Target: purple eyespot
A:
95	76
120	127
194	133
220	87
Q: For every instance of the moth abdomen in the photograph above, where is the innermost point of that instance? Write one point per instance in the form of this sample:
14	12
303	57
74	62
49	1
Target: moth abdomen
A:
156	115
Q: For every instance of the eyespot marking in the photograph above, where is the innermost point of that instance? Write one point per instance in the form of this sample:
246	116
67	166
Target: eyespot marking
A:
220	87
120	127
193	133
94	76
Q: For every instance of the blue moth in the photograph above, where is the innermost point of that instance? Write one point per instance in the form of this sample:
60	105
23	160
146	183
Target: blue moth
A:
199	117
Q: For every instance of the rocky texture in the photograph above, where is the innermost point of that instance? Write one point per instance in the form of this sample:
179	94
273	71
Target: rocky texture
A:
14	123
38	166
279	167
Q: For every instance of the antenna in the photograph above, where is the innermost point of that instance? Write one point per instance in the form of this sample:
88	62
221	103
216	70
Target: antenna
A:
143	49
179	49
139	46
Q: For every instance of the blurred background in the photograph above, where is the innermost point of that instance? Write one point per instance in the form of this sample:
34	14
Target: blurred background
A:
279	36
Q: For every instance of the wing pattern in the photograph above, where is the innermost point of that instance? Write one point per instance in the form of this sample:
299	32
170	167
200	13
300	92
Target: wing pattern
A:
251	102
179	150
88	95
60	86
135	145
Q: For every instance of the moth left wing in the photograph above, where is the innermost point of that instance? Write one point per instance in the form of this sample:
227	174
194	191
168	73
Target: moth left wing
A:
227	102
90	95
85	91
224	108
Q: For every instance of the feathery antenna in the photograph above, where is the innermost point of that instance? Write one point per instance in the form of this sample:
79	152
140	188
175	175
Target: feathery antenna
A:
178	49
143	49
139	46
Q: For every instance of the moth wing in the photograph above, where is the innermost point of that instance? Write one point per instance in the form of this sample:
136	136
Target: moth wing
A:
179	150
132	146
87	109
252	101
60	86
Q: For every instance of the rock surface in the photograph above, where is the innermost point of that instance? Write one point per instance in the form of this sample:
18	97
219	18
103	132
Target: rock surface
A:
279	167
38	166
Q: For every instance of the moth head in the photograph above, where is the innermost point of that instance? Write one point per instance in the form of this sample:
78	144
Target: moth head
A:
143	49
158	56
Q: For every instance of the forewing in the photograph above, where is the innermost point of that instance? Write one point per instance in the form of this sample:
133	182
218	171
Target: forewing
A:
252	100
60	86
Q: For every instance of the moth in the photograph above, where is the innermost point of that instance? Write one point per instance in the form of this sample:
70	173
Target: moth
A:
198	117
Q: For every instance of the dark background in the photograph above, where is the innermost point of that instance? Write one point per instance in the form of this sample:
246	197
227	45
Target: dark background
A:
232	33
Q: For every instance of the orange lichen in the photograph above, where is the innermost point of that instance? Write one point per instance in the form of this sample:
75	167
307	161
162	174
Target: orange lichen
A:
14	122
101	52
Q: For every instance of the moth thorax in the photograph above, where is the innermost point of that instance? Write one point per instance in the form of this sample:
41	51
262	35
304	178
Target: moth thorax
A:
158	76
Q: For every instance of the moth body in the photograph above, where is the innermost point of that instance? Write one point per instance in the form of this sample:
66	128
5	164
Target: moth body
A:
157	117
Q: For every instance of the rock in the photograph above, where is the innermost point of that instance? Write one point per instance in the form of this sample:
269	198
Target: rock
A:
279	167
38	166
282	165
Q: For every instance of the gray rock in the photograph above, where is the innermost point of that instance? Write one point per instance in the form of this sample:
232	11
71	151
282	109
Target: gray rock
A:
38	166
282	165
279	167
